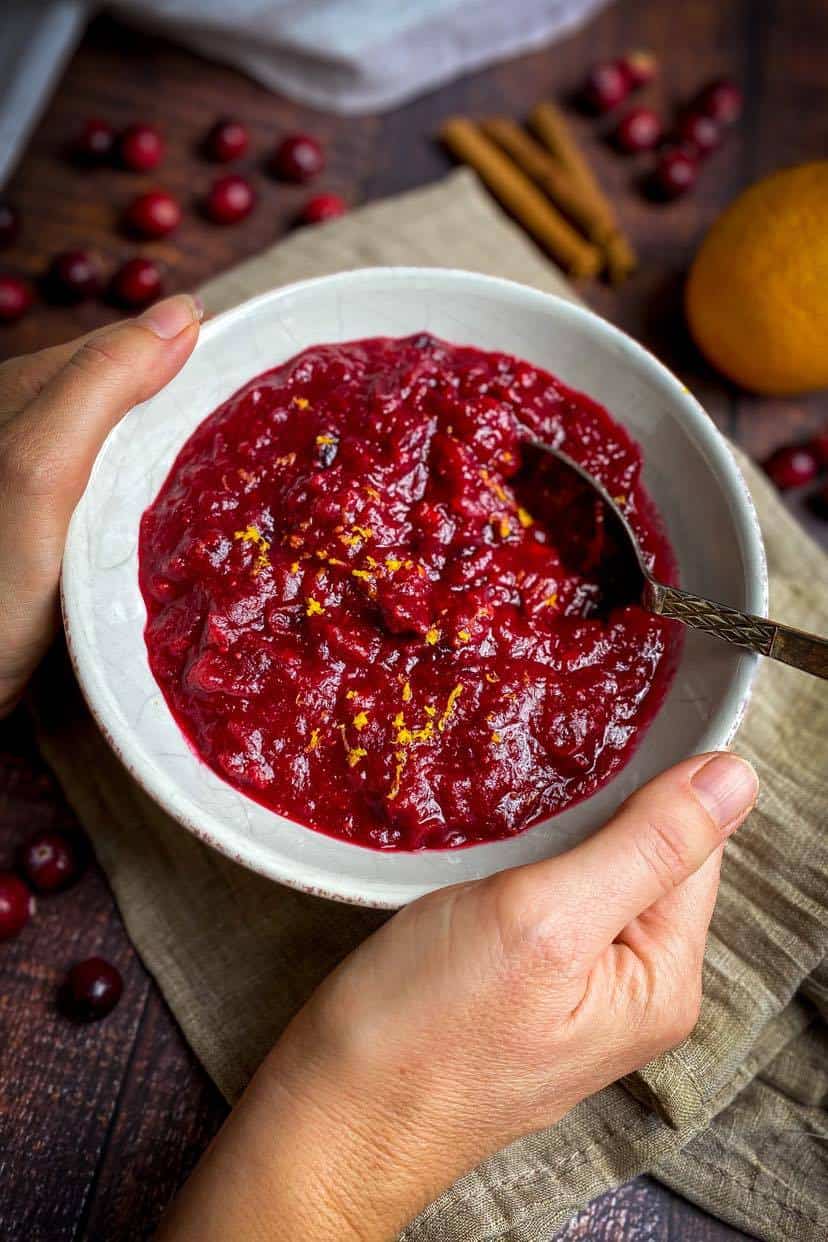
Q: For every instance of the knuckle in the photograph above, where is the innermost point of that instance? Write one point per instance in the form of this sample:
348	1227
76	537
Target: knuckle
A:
100	357
501	896
530	933
663	847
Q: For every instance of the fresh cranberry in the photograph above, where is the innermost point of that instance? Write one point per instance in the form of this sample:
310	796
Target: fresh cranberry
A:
700	132
15	297
792	466
675	173
298	158
722	101
230	199
322	207
9	223
74	276
639	67
819	448
227	140
49	861
153	214
607	86
17	904
141	148
92	989
136	283
639	130
95	142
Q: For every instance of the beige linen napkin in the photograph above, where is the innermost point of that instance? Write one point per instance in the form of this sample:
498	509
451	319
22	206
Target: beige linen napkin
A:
734	1118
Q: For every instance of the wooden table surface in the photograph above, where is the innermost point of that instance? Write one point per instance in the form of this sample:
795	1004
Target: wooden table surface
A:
100	1124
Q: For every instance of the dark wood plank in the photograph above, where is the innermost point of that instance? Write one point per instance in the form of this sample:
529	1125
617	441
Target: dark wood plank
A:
126	76
60	1081
650	305
168	1112
106	1120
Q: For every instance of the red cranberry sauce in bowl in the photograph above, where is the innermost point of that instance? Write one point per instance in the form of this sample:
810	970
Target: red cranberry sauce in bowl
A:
369	613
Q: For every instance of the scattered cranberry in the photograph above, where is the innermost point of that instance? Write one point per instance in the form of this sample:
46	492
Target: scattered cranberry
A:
607	86
74	275
17	905
92	990
153	214
792	466
49	861
9	223
298	158
141	148
639	130
95	142
15	297
136	283
230	199
322	207
700	132
227	140
639	67
722	101
675	173
819	448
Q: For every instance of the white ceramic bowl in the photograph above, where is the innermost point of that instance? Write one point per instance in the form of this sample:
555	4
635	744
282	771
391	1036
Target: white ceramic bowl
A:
689	472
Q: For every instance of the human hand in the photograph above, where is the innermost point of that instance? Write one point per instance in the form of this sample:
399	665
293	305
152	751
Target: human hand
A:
56	408
477	1014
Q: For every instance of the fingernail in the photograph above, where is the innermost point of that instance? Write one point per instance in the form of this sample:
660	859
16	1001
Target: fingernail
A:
726	786
166	319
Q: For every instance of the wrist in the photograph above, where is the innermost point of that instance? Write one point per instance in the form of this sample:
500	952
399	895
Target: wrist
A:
321	1146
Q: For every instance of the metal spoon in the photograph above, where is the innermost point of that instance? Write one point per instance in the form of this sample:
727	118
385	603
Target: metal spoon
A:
767	638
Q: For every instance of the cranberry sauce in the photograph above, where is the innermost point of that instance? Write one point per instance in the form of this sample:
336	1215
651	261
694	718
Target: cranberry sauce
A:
368	611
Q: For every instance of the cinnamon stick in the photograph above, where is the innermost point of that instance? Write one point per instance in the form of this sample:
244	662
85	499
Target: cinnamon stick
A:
577	200
517	193
550	126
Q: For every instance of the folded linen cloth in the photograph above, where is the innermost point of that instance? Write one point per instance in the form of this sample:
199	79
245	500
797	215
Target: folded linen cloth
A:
735	1118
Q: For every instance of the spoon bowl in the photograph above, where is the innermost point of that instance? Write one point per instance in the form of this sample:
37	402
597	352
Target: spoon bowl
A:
630	581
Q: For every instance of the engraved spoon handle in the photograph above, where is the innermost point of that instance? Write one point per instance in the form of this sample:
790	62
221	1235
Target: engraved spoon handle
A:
780	642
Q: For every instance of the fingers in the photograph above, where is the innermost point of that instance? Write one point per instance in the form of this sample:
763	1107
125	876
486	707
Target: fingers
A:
50	446
658	839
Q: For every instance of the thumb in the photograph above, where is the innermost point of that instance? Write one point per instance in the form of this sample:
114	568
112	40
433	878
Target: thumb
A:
55	439
658	839
46	453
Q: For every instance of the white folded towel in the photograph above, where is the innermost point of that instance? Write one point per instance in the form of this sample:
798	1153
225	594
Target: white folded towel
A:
355	56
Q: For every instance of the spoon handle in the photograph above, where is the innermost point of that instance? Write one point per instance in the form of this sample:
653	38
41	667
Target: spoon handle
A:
780	642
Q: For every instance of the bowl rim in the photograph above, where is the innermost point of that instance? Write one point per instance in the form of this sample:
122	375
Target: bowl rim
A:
312	879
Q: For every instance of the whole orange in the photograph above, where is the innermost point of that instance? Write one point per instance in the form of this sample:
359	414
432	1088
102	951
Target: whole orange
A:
757	294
